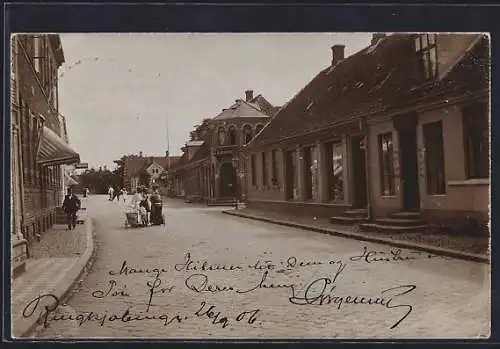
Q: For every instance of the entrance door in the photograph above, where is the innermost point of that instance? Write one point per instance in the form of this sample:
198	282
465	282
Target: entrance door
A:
409	168
359	172
289	174
227	180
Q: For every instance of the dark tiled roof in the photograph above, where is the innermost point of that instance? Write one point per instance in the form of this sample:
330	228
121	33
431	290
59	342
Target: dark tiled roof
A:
136	164
373	80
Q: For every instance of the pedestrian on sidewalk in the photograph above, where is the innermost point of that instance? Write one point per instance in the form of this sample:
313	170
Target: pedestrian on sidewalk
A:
111	191
71	205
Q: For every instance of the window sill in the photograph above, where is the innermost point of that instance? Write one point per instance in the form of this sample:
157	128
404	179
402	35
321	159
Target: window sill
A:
469	182
387	196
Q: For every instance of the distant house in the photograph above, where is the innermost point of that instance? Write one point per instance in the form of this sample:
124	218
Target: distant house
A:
399	129
139	170
210	169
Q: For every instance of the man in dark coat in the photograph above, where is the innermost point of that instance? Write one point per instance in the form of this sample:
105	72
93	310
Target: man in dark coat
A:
71	205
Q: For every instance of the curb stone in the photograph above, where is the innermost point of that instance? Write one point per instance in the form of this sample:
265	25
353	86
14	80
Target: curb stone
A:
386	241
62	290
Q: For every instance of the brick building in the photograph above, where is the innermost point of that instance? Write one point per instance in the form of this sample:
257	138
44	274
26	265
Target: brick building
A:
399	128
39	138
210	169
139	170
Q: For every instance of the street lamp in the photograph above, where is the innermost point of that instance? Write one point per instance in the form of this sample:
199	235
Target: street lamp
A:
235	161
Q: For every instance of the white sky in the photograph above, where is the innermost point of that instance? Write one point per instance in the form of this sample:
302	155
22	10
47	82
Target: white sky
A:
118	103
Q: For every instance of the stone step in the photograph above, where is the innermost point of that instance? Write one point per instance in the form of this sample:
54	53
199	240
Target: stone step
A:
356	213
400	222
409	215
347	219
384	228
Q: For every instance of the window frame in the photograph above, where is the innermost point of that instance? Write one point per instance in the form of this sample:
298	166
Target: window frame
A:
472	124
330	147
387	163
426	51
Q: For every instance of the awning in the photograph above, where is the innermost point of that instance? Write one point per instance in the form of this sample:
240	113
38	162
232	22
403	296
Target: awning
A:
69	181
54	151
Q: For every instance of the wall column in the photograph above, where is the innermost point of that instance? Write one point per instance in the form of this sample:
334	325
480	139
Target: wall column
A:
322	172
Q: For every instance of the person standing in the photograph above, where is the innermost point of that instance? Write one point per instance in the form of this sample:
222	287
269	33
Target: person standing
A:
71	205
111	193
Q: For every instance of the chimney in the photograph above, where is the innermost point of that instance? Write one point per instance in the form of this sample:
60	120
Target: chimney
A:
376	37
140	154
337	53
249	95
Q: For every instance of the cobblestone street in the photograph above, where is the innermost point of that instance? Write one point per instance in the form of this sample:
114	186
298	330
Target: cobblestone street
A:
285	283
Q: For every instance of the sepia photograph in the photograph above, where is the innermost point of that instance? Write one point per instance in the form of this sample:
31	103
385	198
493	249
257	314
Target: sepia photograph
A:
279	186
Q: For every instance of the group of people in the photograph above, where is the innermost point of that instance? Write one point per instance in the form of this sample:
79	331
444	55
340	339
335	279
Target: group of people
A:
149	205
117	192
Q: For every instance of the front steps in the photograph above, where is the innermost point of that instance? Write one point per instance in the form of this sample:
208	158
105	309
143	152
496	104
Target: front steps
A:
352	216
221	202
396	222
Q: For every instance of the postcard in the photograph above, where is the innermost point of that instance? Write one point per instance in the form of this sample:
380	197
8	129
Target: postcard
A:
250	186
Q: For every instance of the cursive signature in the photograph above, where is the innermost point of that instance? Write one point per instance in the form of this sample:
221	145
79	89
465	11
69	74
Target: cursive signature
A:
320	292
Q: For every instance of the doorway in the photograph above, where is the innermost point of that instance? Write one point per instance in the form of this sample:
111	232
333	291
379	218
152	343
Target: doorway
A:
359	172
409	168
227	180
289	174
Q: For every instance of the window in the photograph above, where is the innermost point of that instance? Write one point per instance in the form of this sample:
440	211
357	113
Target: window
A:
386	149
309	155
434	158
425	47
232	135
222	136
476	140
36	53
335	167
274	168
247	133
264	169
254	170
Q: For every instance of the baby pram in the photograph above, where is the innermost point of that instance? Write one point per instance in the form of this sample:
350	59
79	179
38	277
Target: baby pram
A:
134	218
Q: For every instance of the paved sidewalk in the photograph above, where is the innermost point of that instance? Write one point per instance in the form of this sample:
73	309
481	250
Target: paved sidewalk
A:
325	227
55	264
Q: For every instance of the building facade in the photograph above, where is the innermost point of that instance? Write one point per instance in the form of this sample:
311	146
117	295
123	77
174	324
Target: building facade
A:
140	170
39	139
211	168
401	126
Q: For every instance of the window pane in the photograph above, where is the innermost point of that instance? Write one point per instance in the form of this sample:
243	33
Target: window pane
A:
336	171
386	164
434	158
427	65
433	62
477	140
